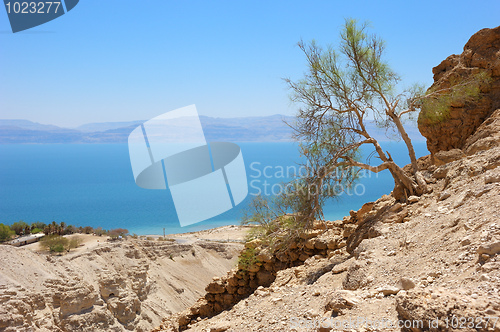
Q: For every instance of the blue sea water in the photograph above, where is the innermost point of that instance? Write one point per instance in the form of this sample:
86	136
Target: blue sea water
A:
92	184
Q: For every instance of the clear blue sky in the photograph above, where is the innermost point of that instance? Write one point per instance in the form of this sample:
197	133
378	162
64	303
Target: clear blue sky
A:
120	60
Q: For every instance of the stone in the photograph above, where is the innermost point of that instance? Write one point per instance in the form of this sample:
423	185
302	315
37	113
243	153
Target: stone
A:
77	300
413	199
492	178
253	268
465	241
462	199
396	218
396	207
341	300
215	287
220	326
444	195
480	54
356	276
348	230
253	244
264	256
406	283
265	278
367	207
388	290
440	173
491	249
320	244
444	157
125	309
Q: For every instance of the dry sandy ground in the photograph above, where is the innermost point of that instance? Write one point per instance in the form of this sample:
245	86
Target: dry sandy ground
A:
229	233
110	286
438	261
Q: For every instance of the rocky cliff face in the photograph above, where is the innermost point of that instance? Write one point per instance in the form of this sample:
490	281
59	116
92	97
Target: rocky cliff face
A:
122	286
481	53
429	264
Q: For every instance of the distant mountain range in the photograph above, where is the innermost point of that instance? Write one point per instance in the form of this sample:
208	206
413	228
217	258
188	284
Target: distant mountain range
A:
246	129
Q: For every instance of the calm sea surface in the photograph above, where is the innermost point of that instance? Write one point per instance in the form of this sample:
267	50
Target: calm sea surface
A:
92	184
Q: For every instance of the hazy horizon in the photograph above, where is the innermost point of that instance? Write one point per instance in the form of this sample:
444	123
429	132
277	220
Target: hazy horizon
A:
109	61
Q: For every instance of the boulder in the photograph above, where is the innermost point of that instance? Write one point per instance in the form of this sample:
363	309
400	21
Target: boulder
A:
481	53
406	283
444	157
341	300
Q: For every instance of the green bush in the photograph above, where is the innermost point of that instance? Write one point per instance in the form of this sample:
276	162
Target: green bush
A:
54	243
36	230
19	227
38	224
57	248
99	231
116	233
57	243
74	242
5	233
248	257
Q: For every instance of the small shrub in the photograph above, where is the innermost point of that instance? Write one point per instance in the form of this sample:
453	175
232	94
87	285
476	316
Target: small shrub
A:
436	106
36	230
117	233
149	238
248	257
55	243
74	242
5	233
57	248
99	231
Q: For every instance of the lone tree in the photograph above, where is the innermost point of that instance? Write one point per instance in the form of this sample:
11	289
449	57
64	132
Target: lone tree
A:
342	89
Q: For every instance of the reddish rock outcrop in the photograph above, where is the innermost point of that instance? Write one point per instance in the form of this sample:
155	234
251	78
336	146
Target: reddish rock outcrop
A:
481	53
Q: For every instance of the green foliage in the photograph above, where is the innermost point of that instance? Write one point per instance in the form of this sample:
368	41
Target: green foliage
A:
55	243
117	233
57	248
247	258
98	231
70	229
38	224
74	242
36	230
436	104
19	227
5	233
